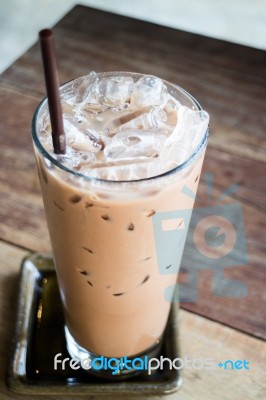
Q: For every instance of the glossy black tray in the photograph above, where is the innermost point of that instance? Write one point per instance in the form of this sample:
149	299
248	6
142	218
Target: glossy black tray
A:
39	335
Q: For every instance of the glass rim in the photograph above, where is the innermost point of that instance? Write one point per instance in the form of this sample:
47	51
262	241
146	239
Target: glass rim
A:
201	146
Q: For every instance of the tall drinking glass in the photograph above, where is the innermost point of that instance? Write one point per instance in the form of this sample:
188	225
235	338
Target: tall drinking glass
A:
111	270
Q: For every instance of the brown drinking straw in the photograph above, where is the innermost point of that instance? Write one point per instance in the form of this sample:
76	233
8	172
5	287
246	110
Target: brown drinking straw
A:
52	87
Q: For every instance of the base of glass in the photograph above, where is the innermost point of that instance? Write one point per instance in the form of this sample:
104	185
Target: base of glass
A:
110	367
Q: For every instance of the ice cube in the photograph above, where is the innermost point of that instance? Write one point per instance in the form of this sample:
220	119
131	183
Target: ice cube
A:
158	117
171	108
125	118
146	118
75	159
187	135
93	109
134	143
200	123
44	123
181	131
115	91
80	138
85	89
149	90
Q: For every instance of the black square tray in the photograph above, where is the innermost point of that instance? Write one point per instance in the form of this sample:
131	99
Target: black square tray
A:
39	335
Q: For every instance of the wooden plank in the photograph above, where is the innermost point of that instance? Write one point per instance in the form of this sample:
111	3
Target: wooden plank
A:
21	208
200	338
248	175
10	258
227	79
247	312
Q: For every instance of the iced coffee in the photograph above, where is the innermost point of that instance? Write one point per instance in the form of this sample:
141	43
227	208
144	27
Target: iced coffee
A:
133	143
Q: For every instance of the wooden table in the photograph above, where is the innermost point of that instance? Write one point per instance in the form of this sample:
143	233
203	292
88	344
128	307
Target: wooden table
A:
230	82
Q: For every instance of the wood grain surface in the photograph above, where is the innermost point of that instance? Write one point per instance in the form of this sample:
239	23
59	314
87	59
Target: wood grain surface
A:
228	79
199	338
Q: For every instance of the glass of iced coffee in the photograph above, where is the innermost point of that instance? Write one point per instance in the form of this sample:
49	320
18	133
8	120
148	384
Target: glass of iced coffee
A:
133	142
